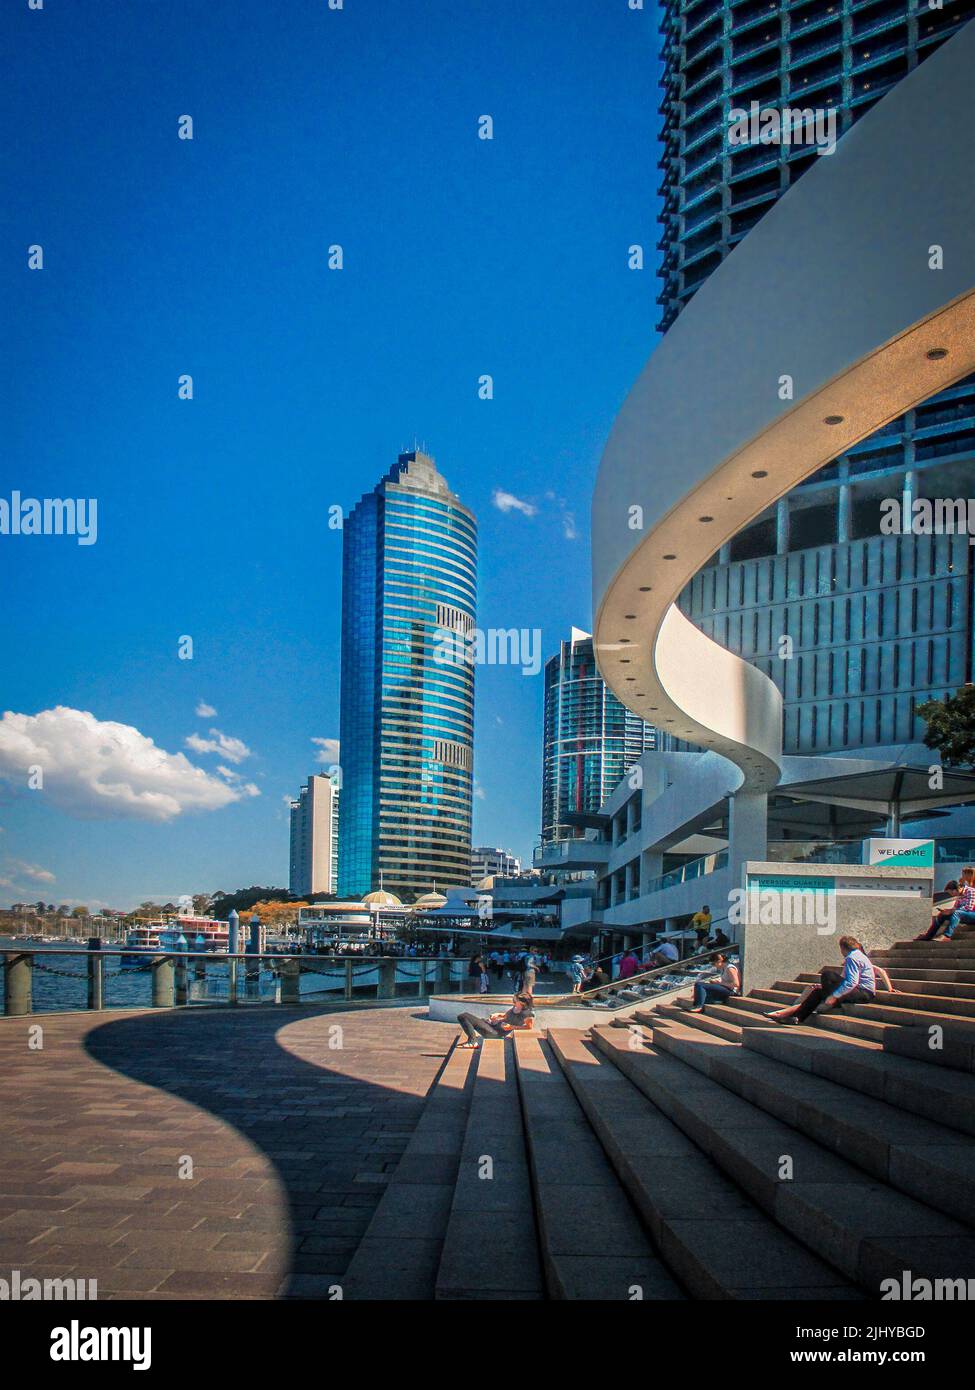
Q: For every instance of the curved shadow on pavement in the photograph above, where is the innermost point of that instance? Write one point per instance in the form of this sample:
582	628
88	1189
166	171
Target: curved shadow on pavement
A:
326	1123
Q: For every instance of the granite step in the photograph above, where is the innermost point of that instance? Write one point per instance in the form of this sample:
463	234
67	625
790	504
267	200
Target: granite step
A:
903	1002
914	1155
942	955
916	972
490	1246
593	1243
916	1011
749	1012
399	1254
707	1021
947	1098
714	1238
940	1041
945	1040
864	1229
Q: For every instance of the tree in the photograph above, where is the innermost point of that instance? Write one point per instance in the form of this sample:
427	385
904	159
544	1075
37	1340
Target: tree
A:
278	914
951	726
79	911
245	898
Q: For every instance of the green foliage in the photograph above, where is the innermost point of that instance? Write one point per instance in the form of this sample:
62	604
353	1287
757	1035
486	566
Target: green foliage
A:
951	727
245	898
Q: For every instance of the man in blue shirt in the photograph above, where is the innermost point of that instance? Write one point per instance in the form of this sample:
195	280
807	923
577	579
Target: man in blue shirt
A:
856	983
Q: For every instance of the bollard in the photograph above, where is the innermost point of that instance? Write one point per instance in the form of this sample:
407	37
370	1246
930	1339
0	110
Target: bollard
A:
232	980
348	977
443	976
421	983
182	980
17	974
96	973
290	975
386	989
162	982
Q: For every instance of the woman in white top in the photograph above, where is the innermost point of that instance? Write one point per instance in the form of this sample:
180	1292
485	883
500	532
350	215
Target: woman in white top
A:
717	991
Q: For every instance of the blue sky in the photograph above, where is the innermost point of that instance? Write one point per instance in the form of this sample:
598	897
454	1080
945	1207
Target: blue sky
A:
165	256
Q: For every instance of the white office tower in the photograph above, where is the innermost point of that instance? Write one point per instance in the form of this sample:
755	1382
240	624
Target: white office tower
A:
314	838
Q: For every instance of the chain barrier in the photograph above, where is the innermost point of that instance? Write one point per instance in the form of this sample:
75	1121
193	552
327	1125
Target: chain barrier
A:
64	974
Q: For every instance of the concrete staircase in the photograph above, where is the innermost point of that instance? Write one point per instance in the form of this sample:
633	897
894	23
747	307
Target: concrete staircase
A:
712	1155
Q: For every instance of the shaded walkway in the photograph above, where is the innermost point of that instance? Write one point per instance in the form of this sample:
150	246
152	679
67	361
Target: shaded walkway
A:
291	1142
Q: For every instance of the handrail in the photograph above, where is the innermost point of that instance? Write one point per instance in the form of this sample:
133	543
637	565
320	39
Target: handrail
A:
675	967
152	952
689	872
171	971
611	955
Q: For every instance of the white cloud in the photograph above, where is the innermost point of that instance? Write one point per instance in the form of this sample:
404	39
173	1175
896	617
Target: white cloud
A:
96	768
569	527
508	502
235	780
328	750
33	872
233	749
205	711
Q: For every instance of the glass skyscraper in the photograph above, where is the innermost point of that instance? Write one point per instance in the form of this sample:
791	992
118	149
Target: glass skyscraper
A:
875	623
409	583
591	739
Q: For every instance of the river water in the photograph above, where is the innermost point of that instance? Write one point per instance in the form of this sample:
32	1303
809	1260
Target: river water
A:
60	980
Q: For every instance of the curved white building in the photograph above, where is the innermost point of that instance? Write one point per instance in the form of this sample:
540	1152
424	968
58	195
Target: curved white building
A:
857	291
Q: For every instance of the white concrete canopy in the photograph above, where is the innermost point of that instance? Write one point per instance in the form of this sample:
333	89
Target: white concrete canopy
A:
836	289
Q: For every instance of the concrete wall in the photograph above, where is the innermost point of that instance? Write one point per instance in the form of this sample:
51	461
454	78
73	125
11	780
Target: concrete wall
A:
877	904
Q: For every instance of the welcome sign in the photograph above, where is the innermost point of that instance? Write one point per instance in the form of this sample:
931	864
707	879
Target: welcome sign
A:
910	853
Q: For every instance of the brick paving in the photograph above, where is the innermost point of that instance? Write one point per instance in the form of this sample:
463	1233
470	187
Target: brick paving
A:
291	1139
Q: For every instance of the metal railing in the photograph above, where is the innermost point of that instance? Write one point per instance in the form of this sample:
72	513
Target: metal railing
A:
181	978
609	994
686	873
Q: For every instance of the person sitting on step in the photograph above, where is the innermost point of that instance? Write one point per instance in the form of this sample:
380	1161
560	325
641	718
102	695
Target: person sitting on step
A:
717	991
597	977
965	906
666	953
520	1015
856	983
944	905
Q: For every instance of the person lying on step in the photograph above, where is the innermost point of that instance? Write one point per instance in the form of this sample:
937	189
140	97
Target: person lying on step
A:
520	1015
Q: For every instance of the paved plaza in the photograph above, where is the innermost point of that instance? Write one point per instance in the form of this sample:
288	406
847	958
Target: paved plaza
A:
286	1124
